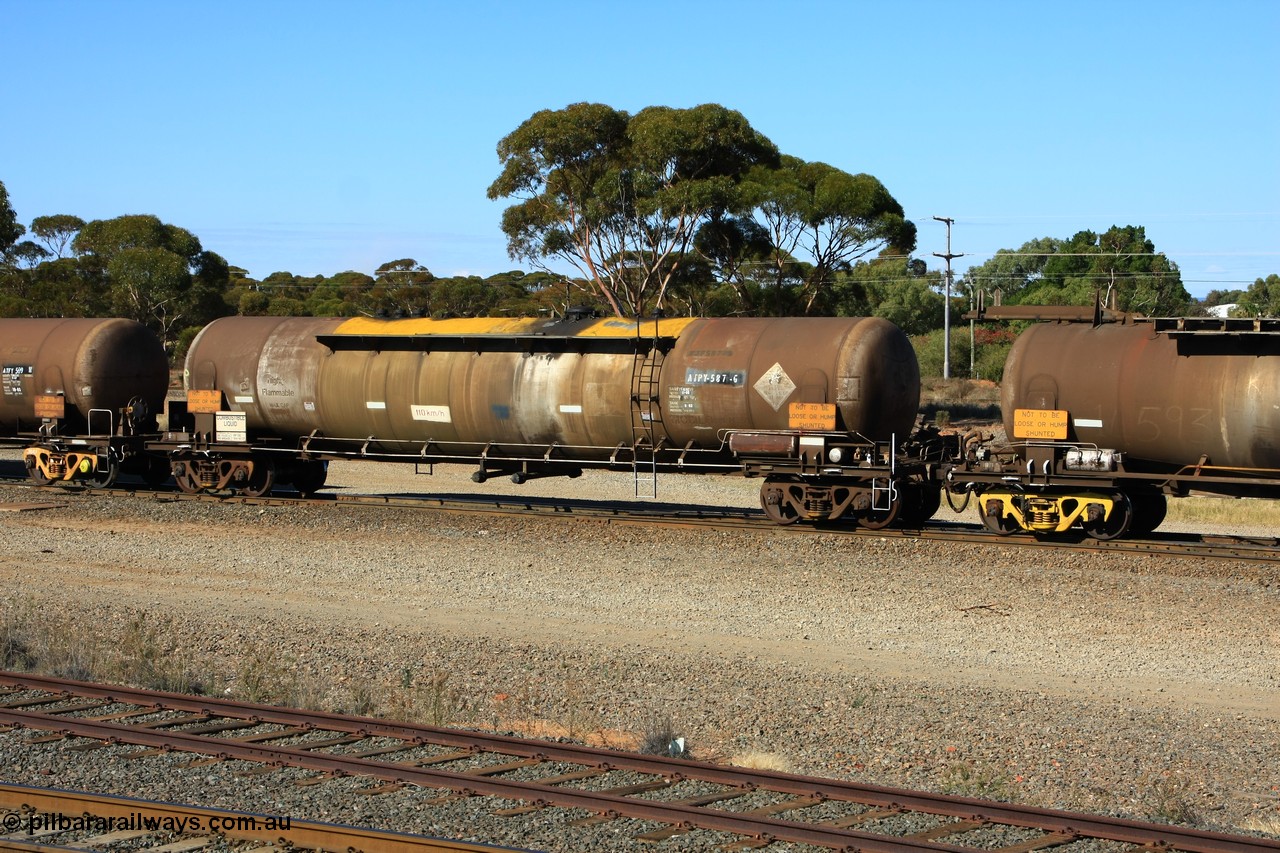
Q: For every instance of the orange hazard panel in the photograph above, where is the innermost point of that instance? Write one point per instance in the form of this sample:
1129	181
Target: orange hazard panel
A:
818	416
207	402
1040	423
50	406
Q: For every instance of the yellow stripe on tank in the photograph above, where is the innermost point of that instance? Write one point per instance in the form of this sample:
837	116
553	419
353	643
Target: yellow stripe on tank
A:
612	327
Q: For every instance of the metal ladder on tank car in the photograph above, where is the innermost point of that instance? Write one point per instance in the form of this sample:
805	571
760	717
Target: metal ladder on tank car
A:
646	415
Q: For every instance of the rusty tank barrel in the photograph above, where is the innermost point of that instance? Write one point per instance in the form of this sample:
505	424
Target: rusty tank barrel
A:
745	372
583	385
1164	398
265	366
90	363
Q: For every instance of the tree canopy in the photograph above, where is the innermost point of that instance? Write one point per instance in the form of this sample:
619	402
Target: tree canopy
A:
155	273
638	203
829	219
621	197
10	228
1262	299
1120	263
56	232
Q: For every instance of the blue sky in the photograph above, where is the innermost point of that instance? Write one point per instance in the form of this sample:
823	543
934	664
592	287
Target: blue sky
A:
318	137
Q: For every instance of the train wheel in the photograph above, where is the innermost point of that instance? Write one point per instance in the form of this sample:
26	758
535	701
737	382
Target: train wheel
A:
1001	525
1148	513
33	471
104	477
1117	525
185	478
309	477
777	502
878	519
261	479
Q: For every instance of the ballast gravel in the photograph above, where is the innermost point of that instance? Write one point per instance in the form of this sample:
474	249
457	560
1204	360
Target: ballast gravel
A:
1139	686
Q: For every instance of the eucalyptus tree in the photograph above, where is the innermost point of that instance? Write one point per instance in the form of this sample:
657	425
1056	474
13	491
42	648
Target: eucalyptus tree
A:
733	250
826	219
901	290
1011	271
620	197
1119	264
152	272
57	232
10	228
1262	299
401	288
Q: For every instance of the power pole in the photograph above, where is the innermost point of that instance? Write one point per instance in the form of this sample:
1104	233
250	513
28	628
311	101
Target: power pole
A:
946	306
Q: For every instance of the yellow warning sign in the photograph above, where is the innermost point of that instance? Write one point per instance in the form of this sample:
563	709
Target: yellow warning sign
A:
815	416
1040	423
206	402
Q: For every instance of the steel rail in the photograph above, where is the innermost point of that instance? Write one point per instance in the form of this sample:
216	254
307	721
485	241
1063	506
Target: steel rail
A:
1255	549
1210	546
139	814
611	805
1205	546
964	808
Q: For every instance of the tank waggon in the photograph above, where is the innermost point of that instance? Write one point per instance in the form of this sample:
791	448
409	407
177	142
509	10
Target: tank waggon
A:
1107	419
809	404
82	393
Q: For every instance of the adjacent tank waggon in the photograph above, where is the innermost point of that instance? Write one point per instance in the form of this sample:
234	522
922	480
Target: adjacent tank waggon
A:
82	393
1106	419
809	404
1106	415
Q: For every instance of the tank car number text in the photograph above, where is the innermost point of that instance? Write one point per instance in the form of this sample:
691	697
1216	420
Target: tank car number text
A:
1155	421
693	376
13	374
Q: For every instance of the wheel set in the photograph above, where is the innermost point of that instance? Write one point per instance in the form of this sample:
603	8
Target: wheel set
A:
874	504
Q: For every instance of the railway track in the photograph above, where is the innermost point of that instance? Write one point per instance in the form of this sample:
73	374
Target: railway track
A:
667	797
40	819
1257	549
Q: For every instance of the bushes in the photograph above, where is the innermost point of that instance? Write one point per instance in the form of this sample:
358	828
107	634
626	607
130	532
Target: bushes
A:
988	362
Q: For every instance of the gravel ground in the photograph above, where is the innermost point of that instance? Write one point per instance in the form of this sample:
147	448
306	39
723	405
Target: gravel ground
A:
1130	685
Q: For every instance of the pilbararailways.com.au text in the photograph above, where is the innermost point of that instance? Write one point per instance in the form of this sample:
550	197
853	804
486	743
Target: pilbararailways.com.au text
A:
38	822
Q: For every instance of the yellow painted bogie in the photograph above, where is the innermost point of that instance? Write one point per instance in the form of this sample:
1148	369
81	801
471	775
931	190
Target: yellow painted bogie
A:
53	466
1048	513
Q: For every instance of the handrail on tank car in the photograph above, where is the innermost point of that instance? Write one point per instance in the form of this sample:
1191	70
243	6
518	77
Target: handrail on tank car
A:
110	422
1194	470
444	453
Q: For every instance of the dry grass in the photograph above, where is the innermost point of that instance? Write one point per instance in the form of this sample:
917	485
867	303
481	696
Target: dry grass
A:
946	401
755	759
661	737
1169	797
1227	514
146	650
977	779
143	649
1267	823
152	651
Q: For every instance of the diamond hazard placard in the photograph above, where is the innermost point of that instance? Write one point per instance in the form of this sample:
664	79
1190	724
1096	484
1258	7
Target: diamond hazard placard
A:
775	386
